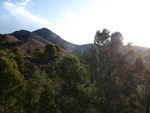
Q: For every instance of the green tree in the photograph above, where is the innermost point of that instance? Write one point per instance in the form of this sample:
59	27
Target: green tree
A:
112	68
34	90
12	86
38	52
20	62
52	53
16	51
143	78
71	97
47	102
39	56
29	51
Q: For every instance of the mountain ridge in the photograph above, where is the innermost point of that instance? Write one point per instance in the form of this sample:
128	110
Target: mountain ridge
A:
44	36
54	38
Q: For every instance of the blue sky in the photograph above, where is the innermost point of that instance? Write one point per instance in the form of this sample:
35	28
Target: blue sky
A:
78	20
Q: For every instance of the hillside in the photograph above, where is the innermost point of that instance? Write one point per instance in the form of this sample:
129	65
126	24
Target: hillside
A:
64	83
24	34
46	36
8	41
140	50
55	39
8	38
41	37
32	44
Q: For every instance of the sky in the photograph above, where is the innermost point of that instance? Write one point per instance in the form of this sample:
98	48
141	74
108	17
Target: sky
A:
77	21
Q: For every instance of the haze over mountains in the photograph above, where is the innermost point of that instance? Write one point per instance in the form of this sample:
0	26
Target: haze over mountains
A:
39	38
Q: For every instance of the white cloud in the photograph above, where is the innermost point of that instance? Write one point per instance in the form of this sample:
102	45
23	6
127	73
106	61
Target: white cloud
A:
129	17
18	4
24	2
19	18
8	4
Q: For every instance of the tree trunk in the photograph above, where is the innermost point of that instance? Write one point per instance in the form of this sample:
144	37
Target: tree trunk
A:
147	106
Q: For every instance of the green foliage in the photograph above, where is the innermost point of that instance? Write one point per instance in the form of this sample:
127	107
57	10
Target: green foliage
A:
20	62
47	102
72	73
16	50
113	68
3	53
29	51
39	56
12	86
52	53
109	77
34	90
69	67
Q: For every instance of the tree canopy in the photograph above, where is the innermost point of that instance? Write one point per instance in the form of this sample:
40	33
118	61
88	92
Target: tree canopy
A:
109	77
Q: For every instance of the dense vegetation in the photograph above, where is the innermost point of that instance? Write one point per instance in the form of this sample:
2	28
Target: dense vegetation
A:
109	77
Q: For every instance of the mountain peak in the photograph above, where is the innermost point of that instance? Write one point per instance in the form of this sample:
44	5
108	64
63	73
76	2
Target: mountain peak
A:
45	36
44	30
21	34
45	33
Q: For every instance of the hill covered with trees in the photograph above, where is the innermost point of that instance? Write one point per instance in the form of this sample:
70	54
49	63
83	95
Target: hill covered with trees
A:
46	36
39	75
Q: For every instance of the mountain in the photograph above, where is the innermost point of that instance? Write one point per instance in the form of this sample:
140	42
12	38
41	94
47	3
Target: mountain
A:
55	39
32	44
39	38
24	34
45	36
29	40
8	38
140	50
8	41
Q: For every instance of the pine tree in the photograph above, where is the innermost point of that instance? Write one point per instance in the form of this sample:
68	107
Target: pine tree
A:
12	86
34	90
73	76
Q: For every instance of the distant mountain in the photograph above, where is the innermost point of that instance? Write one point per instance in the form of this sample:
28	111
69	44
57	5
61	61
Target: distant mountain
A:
45	36
24	34
29	40
140	50
39	38
55	39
